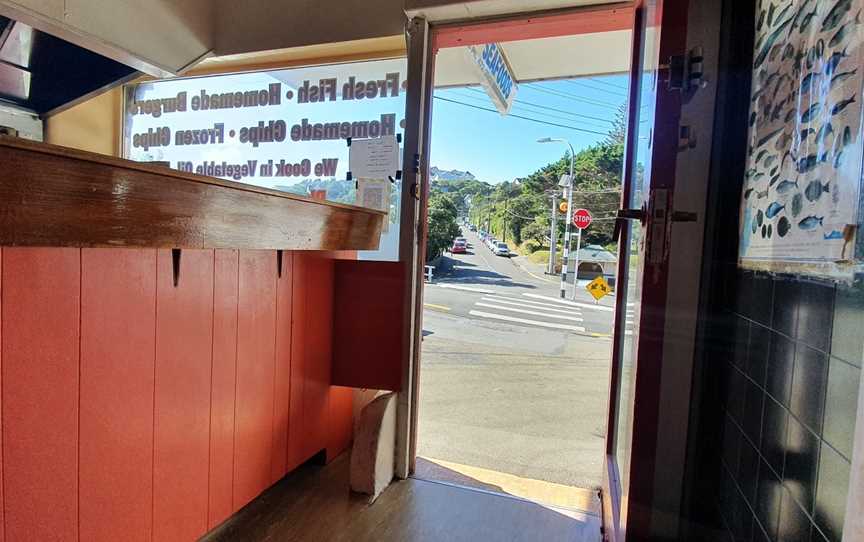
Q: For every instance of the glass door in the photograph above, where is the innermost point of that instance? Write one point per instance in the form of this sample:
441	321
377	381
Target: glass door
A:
642	228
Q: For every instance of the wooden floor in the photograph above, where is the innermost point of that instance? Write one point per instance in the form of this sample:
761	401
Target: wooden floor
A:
314	504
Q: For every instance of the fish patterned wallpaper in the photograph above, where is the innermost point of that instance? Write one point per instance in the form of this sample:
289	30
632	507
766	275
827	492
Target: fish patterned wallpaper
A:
800	202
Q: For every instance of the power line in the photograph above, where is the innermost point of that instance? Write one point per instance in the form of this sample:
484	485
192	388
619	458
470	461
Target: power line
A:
601	89
573	97
517	104
517	100
613	85
522	117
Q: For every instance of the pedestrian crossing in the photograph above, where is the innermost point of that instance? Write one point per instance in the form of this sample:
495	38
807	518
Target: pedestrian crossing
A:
519	310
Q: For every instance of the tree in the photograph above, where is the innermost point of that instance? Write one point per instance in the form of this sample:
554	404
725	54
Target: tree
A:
442	225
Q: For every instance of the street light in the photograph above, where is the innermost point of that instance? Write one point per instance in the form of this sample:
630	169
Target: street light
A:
568	184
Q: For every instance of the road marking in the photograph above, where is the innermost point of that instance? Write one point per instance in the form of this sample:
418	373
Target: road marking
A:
436	307
531	305
570	303
465	288
533	313
525	321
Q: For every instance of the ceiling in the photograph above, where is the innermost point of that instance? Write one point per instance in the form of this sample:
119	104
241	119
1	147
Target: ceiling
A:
541	59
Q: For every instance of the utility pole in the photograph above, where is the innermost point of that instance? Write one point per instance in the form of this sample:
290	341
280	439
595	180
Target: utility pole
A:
505	222
553	235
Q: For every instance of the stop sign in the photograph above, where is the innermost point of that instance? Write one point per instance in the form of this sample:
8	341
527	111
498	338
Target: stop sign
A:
581	218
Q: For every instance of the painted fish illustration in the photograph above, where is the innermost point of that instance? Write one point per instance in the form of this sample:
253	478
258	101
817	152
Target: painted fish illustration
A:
824	132
768	137
810	162
763	194
786	187
761	154
836	14
770	160
805	22
797	204
774	179
760	217
796	20
783	226
761	19
771	40
833	61
844	31
753	118
835	234
789	116
788	52
811	113
805	133
847	136
810	223
747	193
840	77
783	13
774	209
815	190
807	82
840	106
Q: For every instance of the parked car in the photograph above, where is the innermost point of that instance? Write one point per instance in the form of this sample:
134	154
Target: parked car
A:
458	248
472	227
501	249
461	240
491	242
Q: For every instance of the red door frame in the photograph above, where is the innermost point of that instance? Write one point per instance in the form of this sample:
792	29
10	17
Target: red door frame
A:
629	512
568	22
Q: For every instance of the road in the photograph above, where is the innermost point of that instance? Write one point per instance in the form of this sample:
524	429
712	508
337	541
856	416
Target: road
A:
513	378
483	286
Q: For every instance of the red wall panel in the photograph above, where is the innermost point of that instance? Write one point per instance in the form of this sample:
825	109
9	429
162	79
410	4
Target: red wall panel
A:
319	337
340	422
282	381
118	313
368	352
40	392
296	452
184	341
256	345
223	386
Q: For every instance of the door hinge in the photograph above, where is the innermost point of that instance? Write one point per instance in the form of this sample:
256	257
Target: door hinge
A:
686	72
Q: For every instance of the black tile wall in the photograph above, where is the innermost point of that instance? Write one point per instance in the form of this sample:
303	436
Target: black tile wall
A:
790	383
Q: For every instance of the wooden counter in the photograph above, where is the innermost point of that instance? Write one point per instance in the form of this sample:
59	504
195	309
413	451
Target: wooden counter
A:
61	197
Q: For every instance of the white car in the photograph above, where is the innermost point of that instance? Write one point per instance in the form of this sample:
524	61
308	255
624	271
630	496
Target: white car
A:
490	243
501	249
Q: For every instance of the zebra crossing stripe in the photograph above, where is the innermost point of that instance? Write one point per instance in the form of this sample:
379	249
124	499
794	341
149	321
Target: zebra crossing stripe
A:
504	318
524	303
570	303
532	313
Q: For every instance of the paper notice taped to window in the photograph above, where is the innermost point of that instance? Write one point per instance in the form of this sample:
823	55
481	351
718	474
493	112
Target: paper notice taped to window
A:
374	194
376	158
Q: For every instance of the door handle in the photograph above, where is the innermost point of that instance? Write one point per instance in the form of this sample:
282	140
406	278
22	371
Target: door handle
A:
627	214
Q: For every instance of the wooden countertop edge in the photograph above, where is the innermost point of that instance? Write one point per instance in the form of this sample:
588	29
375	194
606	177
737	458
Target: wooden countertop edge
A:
77	154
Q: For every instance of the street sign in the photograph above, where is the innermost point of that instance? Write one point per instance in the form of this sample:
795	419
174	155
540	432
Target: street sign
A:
599	288
563	207
581	218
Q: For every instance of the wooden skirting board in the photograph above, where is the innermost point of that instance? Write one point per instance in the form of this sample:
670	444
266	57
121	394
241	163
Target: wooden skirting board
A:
61	197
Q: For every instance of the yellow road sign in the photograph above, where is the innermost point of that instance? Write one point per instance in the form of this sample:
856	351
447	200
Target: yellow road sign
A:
563	207
599	288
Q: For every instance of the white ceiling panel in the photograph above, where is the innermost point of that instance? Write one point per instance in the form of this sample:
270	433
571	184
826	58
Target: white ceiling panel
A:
565	57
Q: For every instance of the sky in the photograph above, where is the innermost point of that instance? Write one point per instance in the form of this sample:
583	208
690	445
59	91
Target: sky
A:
499	148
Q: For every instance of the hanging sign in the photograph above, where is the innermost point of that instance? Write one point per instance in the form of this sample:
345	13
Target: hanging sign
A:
581	218
496	75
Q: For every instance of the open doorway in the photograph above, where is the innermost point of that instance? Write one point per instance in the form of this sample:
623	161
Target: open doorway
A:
515	362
